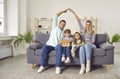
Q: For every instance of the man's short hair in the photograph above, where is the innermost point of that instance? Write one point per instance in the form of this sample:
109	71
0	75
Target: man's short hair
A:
62	21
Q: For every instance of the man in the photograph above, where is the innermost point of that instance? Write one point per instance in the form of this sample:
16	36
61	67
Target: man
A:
53	44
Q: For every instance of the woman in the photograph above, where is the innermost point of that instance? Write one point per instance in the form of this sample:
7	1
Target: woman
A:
89	38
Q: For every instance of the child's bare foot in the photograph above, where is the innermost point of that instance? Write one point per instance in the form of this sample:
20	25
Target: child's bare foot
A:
73	53
63	59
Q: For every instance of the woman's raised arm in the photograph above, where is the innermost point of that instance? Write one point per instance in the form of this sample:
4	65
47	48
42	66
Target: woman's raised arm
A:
78	20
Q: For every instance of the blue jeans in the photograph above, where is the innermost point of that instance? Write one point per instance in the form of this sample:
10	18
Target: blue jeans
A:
76	49
67	51
45	54
85	52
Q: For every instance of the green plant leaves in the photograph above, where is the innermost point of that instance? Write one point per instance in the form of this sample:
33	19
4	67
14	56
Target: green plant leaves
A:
25	38
114	39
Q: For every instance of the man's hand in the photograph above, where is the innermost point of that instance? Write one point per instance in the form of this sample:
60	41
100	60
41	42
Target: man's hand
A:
64	11
71	10
60	42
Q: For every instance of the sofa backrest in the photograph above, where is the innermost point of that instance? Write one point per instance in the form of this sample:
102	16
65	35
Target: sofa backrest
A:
100	38
43	37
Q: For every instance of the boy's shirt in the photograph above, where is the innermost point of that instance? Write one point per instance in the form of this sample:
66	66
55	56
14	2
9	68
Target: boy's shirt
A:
70	38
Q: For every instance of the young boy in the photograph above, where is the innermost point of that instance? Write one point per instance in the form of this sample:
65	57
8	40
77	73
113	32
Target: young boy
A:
67	46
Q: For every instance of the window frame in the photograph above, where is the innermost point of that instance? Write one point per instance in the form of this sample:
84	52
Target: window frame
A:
5	13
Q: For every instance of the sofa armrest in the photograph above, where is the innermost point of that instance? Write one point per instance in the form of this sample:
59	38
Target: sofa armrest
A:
106	46
35	46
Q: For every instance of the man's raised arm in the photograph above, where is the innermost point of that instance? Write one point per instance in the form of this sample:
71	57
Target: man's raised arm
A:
54	22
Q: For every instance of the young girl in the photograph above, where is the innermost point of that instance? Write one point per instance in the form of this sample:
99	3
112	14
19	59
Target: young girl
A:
77	42
66	49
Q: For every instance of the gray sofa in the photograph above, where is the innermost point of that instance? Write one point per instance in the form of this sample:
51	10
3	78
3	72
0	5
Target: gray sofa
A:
102	55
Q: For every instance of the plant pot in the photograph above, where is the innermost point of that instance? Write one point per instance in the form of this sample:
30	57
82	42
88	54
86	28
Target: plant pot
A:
27	45
117	47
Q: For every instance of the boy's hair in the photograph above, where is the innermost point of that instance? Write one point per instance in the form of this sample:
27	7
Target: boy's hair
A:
62	21
67	31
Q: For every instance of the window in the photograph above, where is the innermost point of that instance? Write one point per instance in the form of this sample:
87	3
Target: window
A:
2	27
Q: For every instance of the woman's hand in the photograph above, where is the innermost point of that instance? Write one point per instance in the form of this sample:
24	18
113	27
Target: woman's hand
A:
65	11
71	10
74	13
61	12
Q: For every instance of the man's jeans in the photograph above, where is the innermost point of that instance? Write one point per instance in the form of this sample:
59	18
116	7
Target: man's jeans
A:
45	54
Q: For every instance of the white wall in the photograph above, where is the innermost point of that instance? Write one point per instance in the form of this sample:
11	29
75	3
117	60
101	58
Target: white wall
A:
17	17
23	16
12	17
107	12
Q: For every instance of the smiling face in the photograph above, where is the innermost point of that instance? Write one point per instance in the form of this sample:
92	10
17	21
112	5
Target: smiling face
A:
62	24
77	36
67	34
88	25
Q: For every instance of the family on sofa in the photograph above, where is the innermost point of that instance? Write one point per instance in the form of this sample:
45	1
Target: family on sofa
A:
81	42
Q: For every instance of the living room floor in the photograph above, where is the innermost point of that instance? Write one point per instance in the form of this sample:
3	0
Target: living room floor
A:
17	68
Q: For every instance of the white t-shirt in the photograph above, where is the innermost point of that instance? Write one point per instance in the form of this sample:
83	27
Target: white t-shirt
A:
56	33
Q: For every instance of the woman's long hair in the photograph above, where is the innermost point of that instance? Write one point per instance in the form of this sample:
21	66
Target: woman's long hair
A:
91	27
75	40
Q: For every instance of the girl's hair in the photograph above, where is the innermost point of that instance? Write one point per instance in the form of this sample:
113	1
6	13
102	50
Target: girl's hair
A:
75	40
91	27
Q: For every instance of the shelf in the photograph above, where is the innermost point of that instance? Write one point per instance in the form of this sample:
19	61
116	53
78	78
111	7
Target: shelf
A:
44	20
44	29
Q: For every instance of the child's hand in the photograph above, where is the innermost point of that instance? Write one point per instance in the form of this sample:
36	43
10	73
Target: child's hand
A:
81	44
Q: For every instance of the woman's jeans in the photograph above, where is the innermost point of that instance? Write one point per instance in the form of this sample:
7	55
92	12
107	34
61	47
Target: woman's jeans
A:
85	52
45	54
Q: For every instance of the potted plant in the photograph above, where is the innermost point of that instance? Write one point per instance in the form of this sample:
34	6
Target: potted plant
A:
0	22
114	39
26	38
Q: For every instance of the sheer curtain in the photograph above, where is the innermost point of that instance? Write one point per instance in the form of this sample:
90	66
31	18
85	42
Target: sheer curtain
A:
2	27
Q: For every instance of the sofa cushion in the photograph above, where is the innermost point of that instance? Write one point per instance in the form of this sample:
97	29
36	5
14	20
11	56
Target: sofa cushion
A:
95	52
98	52
35	46
38	52
106	46
41	38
